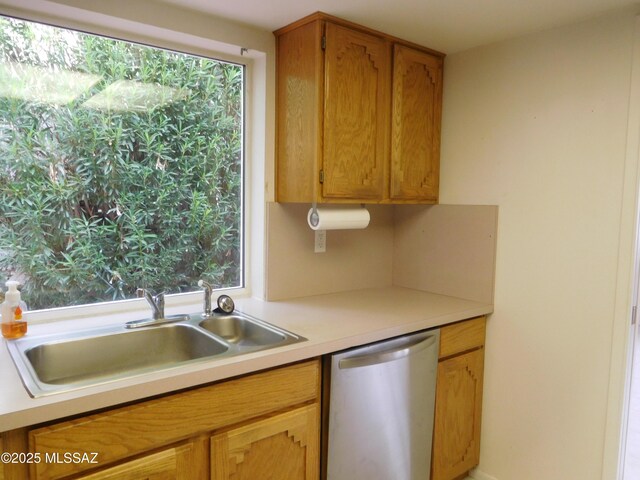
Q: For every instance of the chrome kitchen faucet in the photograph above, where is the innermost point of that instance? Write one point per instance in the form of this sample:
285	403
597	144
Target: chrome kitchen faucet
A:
156	302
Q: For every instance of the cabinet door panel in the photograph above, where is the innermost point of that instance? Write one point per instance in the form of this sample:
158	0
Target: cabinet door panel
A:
456	437
299	120
284	447
415	130
172	464
355	114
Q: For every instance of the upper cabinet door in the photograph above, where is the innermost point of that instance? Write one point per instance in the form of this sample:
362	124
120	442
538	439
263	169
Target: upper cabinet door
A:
356	114
415	128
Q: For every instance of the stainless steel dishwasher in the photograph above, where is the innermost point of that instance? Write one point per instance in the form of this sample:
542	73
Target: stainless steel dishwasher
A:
381	408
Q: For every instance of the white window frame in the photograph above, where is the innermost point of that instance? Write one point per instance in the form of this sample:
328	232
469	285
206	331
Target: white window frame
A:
254	149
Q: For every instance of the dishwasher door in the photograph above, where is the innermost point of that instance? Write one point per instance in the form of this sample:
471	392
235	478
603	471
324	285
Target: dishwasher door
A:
381	409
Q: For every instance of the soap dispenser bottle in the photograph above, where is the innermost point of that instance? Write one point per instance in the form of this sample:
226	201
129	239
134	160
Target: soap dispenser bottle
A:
13	325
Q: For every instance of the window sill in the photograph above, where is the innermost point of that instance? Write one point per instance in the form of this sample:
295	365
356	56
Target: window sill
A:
108	313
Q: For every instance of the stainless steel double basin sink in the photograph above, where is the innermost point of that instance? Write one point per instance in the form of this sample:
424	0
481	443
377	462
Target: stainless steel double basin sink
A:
58	363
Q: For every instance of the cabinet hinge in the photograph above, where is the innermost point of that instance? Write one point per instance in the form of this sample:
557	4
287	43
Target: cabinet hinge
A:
323	42
321	176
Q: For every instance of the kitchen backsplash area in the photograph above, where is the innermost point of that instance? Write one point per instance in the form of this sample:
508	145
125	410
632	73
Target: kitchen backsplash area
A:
354	259
446	249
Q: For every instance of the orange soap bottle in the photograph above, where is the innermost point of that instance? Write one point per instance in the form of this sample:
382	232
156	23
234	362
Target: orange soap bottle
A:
13	325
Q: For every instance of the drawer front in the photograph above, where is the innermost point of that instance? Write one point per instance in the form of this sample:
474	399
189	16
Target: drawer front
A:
134	429
462	336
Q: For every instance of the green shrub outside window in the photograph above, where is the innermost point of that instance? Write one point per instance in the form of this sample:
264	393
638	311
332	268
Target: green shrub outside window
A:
120	167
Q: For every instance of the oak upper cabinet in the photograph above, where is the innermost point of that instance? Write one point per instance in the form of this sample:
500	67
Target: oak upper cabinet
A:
358	115
456	435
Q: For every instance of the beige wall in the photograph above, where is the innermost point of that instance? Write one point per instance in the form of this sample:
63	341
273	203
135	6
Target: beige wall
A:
146	20
537	125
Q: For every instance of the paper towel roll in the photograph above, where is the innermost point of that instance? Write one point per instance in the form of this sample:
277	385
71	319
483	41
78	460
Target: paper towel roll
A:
338	219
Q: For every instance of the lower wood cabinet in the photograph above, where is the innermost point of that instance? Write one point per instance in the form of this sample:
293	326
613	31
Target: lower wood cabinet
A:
260	426
2	463
283	447
456	436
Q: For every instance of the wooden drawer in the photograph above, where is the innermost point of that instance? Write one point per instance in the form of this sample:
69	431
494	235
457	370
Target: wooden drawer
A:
462	336
134	429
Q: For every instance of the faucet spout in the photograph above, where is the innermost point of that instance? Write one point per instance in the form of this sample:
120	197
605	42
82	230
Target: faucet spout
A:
156	302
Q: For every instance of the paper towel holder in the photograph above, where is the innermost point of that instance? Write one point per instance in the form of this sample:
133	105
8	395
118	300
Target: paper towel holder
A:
314	217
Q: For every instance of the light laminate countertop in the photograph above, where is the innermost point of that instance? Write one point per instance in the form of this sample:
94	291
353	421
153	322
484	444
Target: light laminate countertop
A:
330	322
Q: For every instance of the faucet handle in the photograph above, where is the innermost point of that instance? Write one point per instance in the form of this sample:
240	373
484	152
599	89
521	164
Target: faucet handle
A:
206	305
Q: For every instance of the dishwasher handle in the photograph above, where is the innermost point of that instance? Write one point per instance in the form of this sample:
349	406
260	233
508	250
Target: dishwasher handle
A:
397	352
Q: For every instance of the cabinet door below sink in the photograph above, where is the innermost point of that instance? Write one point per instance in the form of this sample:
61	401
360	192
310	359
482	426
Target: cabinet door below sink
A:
285	445
175	463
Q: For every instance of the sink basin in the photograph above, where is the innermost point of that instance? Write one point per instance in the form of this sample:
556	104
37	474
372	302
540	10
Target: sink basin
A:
241	331
68	361
110	355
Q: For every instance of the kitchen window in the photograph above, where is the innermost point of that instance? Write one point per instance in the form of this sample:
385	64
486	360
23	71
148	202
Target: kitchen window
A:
121	167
